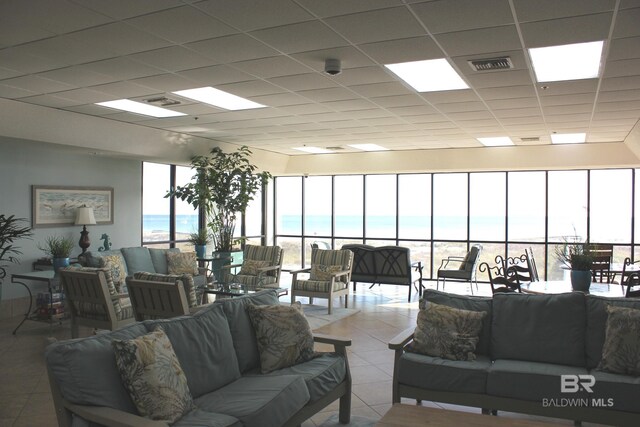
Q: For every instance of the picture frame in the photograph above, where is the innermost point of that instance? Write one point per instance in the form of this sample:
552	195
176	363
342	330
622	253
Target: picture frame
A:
55	206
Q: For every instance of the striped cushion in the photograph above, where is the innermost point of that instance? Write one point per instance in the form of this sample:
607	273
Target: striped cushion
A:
187	282
98	311
330	257
318	285
263	253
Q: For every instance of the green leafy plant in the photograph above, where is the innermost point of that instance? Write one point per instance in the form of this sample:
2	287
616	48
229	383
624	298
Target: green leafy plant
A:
57	246
11	229
574	254
200	237
222	187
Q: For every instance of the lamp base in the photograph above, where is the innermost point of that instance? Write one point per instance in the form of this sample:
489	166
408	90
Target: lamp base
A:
84	241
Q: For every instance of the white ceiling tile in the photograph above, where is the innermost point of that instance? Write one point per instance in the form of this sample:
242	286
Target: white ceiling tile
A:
122	9
540	10
85	95
583	98
249	89
507	92
215	75
627	48
381	89
627	23
413	110
566	30
172	59
349	57
165	82
234	48
326	8
461	106
621	83
20	59
6	73
276	66
364	75
618	106
464	95
119	39
399	100
508	104
181	25
629	67
248	15
49	101
38	84
124	89
474	42
80	76
562	109
281	99
403	50
329	94
458	15
303	82
616	96
500	79
349	105
377	25
121	68
302	37
12	92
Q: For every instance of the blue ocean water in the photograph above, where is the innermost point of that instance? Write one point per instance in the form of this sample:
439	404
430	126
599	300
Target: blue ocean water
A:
184	223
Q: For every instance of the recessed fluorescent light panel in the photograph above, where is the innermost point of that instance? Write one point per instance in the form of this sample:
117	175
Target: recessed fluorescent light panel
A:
313	150
568	138
218	98
140	108
368	147
429	76
496	141
567	62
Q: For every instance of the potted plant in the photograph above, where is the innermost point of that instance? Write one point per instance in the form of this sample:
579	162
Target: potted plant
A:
59	249
11	229
576	256
223	186
199	239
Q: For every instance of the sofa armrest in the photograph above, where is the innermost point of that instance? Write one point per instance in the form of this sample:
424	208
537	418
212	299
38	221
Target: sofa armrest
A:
112	417
340	344
400	340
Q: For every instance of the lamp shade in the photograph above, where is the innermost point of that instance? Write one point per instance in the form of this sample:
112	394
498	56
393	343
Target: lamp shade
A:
84	216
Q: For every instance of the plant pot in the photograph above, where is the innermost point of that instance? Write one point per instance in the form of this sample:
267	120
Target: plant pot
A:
221	259
581	280
201	251
59	263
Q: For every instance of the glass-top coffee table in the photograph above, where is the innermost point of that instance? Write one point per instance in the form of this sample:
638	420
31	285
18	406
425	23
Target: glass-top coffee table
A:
234	290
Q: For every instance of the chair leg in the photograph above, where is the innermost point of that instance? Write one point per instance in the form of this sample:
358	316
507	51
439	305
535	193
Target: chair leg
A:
330	303
310	300
471	286
74	328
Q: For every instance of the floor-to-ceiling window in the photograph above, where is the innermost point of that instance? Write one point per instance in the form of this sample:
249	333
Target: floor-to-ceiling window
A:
443	214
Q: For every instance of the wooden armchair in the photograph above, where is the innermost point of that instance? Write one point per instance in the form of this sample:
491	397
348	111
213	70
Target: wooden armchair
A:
93	301
260	267
330	274
157	300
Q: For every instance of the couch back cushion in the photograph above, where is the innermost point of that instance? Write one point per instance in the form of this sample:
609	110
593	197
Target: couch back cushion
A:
242	333
85	369
204	348
597	323
138	259
540	328
92	259
393	265
159	259
464	302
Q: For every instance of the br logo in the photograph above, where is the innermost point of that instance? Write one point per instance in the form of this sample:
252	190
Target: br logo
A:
575	383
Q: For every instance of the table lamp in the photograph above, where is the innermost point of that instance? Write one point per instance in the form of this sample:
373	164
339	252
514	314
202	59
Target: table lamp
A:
84	217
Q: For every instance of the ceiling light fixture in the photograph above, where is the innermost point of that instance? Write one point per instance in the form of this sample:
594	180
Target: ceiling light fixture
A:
429	76
368	147
567	62
218	98
568	138
496	141
313	150
140	108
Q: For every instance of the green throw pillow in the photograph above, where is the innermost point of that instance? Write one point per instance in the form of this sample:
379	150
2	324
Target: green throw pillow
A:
621	349
447	332
283	335
152	375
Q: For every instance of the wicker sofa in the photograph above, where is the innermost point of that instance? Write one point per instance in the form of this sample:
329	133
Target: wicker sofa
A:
218	353
526	344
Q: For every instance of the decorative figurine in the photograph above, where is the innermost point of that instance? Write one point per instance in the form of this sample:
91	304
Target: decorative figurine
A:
107	243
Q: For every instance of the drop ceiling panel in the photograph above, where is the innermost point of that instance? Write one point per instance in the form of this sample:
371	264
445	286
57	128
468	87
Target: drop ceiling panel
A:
402	50
303	82
215	75
275	66
349	56
302	37
566	30
78	75
499	79
340	7
627	24
551	9
120	39
627	48
486	40
248	15
629	67
121	9
181	25
399	101
122	68
233	48
381	89
172	59
446	17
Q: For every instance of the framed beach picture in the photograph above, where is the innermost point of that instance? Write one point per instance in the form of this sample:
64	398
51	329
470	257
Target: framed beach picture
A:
54	206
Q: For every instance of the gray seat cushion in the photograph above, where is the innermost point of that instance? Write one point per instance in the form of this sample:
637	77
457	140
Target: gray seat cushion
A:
453	274
200	418
321	374
71	362
204	348
260	401
539	328
138	259
531	381
621	389
464	302
434	373
242	333
597	322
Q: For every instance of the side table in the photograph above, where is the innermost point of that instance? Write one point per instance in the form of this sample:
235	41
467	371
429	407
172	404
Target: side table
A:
46	276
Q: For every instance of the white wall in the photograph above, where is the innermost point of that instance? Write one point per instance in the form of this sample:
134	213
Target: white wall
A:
26	163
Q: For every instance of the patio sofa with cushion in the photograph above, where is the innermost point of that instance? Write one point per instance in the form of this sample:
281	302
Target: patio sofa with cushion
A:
570	355
214	367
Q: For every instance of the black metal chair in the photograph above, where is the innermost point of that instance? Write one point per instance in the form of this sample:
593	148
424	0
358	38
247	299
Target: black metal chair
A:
630	279
461	269
501	280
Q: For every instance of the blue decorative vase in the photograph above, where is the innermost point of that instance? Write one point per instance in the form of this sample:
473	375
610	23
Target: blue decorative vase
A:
59	263
581	280
201	251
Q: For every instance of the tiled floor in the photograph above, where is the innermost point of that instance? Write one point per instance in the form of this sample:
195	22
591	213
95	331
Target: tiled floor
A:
25	399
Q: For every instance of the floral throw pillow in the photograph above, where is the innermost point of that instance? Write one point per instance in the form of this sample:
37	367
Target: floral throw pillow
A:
283	335
152	375
621	349
447	332
323	272
116	264
182	263
250	267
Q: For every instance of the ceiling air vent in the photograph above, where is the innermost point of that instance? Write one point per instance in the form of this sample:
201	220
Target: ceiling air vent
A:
493	64
530	139
162	101
336	148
